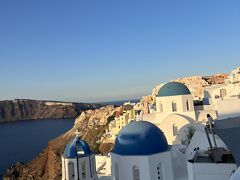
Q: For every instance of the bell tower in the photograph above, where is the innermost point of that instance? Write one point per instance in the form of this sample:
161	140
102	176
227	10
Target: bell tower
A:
78	161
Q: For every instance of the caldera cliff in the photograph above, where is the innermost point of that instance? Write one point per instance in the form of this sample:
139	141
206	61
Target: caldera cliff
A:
93	128
25	109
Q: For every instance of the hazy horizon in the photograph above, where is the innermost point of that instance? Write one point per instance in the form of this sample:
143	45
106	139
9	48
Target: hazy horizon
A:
103	100
98	51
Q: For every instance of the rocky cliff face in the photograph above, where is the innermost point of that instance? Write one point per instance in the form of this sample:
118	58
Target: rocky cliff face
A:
216	79
36	109
92	125
197	83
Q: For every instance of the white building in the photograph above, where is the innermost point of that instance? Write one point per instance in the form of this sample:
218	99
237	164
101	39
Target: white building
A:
142	148
200	158
234	76
174	97
141	152
221	97
78	161
174	109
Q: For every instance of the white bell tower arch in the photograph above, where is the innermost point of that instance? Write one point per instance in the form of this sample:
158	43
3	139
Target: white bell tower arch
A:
78	161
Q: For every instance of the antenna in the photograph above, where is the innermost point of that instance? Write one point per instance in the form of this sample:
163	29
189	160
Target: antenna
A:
216	153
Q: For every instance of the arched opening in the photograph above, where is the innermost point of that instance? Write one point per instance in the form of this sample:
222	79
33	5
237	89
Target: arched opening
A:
79	149
174	106
187	104
160	107
175	130
223	93
136	173
71	174
116	172
92	166
83	164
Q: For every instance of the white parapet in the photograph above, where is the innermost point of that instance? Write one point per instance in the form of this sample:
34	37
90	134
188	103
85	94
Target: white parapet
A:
210	171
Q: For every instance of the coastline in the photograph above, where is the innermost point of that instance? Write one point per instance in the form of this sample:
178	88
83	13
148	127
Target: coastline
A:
23	110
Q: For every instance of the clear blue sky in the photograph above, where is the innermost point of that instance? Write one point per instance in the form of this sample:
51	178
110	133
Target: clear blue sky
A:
102	50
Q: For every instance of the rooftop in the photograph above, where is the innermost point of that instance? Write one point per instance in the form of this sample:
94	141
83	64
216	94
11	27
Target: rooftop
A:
173	89
140	138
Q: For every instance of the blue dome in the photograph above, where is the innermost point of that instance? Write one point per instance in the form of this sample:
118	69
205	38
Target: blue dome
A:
140	138
77	148
173	89
151	106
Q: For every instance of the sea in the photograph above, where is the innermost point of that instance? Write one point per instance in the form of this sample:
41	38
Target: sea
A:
22	141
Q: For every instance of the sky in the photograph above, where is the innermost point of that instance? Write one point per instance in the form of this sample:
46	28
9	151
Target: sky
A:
105	50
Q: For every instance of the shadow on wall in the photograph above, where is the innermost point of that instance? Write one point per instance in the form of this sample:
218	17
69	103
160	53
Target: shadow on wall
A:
172	125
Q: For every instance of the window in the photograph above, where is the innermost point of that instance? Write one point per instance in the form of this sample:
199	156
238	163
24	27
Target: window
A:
71	171
136	174
159	172
174	129
174	106
160	107
84	169
92	166
188	107
79	149
116	172
223	93
238	96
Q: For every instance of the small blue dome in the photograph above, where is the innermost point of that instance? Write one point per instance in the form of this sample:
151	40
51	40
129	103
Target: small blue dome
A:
173	89
140	138
77	148
151	106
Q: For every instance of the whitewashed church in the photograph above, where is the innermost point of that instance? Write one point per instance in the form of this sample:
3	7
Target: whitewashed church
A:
175	107
78	161
141	152
153	150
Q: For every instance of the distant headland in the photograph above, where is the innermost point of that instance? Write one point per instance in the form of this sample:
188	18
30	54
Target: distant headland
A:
29	109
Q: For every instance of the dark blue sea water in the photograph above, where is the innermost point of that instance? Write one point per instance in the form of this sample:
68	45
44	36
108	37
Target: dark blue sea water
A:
22	141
